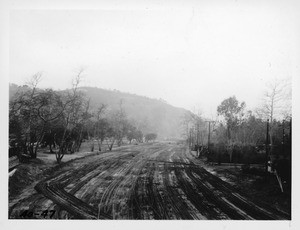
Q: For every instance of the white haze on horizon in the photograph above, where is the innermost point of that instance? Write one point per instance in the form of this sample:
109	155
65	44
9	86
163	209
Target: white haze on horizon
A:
194	57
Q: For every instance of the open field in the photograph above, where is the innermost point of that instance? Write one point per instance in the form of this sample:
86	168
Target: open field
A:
146	181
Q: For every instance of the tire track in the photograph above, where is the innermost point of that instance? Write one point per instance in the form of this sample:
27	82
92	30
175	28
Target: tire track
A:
177	204
159	181
73	205
205	204
253	210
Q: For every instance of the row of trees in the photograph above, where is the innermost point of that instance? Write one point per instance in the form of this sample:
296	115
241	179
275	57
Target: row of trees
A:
238	127
62	120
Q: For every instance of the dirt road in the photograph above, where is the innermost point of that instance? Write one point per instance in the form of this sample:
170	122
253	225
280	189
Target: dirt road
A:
147	181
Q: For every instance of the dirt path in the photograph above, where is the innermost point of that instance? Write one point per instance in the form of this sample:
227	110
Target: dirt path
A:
149	181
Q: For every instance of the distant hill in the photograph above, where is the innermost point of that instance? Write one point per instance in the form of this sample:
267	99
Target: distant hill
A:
14	88
149	115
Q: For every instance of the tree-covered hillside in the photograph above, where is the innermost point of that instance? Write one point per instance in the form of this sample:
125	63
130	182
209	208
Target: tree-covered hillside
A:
149	115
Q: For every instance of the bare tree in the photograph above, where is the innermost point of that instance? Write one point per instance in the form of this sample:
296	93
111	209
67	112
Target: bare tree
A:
24	107
72	100
48	108
99	127
276	99
195	129
276	102
81	121
120	123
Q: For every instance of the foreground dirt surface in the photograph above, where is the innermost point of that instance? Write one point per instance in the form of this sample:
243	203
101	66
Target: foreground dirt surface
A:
147	181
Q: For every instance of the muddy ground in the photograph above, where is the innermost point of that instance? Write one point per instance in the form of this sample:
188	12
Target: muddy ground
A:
146	181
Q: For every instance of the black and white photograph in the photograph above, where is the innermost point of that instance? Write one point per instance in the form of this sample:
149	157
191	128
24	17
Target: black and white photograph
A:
150	110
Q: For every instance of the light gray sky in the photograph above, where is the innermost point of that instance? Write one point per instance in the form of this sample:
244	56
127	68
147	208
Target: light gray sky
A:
192	56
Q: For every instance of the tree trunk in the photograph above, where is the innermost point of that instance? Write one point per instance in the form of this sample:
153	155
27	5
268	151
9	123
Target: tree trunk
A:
111	145
31	151
79	141
99	144
60	153
50	148
39	141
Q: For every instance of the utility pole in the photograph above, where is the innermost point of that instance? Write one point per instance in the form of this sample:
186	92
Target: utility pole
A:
208	140
283	134
197	133
190	138
197	139
267	147
283	138
291	133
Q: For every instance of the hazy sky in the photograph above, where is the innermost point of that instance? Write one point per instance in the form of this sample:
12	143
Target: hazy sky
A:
192	56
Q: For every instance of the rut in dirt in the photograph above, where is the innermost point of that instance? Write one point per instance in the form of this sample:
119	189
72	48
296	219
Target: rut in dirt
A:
157	181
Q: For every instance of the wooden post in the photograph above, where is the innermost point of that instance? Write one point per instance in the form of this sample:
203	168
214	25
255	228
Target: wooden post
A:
267	148
197	139
208	140
283	134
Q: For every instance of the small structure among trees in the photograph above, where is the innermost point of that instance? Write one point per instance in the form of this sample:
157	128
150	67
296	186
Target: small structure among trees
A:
150	137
